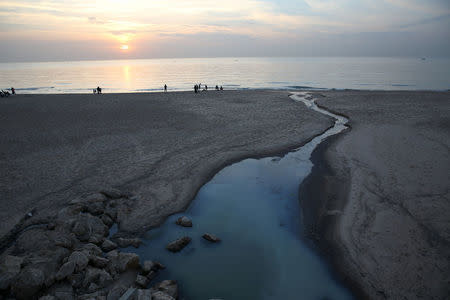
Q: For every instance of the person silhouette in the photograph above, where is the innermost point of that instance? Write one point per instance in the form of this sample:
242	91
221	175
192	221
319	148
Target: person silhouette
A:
217	87
206	87
221	88
195	89
165	87
13	91
99	90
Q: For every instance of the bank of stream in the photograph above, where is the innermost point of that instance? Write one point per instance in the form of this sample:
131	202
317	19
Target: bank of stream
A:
253	207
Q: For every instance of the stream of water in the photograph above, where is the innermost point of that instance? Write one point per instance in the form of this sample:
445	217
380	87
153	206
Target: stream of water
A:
253	207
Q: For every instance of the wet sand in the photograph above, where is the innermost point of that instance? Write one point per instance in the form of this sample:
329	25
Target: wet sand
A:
381	193
160	147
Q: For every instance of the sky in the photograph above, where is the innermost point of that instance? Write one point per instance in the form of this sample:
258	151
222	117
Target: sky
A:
50	30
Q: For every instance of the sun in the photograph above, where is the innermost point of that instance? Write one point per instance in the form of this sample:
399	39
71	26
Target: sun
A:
124	47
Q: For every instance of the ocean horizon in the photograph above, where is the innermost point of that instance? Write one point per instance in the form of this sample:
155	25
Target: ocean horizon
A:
235	73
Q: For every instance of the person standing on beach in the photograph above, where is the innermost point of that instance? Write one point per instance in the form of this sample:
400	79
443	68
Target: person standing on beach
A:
165	87
206	87
13	91
195	89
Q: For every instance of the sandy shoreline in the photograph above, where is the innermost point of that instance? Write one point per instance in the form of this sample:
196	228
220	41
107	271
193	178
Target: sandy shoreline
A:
160	147
381	192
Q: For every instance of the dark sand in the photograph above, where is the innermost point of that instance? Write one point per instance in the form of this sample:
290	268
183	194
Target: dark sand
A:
161	147
384	214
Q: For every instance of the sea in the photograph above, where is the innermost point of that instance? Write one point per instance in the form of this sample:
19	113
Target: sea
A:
181	74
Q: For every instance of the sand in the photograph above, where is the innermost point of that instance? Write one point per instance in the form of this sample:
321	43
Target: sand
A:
385	215
161	147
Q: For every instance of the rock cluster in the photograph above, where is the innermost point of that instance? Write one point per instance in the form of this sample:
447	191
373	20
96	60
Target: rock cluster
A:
72	257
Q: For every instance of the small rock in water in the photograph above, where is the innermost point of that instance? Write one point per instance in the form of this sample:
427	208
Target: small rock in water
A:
179	244
184	221
210	237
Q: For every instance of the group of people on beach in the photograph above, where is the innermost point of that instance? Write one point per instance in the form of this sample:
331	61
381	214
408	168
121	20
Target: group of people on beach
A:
98	90
6	93
198	88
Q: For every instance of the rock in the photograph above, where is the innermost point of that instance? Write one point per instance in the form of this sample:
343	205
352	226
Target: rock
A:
179	244
96	197
111	211
141	281
116	292
143	295
99	295
127	261
159	265
80	259
99	277
76	280
96	239
63	291
65	241
120	262
98	261
94	208
28	283
66	270
158	295
92	287
107	220
87	225
10	268
108	245
48	297
92	249
210	237
151	275
148	266
184	221
122	242
169	287
128	295
113	193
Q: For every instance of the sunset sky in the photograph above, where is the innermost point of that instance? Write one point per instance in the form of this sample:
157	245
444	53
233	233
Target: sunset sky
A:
71	30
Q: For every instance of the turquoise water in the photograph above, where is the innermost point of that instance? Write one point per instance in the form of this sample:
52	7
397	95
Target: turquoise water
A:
233	73
253	207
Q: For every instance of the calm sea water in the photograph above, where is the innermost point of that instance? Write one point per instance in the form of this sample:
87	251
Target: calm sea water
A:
233	73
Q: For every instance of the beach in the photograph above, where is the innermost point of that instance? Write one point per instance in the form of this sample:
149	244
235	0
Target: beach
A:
160	147
376	202
382	189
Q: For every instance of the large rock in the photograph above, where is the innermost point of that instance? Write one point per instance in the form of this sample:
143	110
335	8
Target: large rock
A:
87	225
80	259
211	237
92	249
108	245
179	244
170	287
97	261
66	270
122	242
9	269
97	276
184	221
143	295
127	261
120	262
28	283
